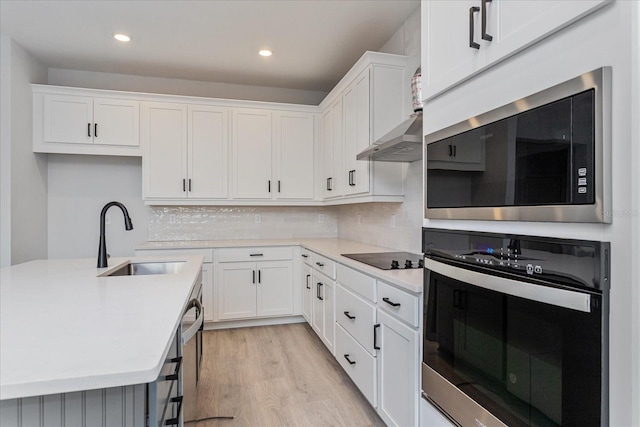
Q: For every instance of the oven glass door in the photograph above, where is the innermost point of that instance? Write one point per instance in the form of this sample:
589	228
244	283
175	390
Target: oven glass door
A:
528	363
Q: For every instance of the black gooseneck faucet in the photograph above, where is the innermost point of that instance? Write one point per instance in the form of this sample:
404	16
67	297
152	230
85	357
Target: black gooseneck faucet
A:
102	247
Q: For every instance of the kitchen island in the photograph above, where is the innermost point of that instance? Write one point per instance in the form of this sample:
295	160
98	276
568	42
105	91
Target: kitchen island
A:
65	327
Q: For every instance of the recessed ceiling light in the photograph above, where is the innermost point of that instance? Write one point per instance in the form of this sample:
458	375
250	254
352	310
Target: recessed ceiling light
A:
122	37
265	52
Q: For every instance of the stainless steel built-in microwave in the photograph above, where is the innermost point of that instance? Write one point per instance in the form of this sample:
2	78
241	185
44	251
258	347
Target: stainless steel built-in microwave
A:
545	157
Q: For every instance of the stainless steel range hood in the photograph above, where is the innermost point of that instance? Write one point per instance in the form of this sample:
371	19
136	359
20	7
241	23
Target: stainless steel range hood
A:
402	144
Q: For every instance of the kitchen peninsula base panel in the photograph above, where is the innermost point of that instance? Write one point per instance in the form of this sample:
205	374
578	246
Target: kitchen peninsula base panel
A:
110	407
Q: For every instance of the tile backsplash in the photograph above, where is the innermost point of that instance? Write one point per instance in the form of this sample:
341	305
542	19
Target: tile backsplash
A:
169	223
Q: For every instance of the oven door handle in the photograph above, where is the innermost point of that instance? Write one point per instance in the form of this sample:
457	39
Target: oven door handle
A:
195	327
572	300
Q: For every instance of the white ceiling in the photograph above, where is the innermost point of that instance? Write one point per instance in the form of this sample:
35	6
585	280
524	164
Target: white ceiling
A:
314	42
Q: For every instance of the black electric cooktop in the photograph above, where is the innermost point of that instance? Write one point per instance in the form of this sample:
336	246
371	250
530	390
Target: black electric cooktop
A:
389	260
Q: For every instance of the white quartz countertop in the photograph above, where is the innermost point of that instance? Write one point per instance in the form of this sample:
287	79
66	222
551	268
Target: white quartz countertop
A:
63	329
410	280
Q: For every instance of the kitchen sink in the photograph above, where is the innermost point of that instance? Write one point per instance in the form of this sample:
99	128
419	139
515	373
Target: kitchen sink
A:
146	268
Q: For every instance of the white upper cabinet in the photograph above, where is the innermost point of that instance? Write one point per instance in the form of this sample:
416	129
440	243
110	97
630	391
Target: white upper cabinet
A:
462	38
293	149
251	143
273	154
76	121
369	101
185	151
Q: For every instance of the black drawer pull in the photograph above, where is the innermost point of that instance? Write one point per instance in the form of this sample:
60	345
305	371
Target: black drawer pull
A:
176	372
256	254
391	303
305	256
346	313
351	362
320	264
175	421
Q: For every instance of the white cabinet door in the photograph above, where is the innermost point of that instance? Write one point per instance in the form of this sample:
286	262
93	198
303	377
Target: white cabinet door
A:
333	150
68	119
164	139
356	104
207	291
327	142
116	122
329	318
398	372
252	154
448	59
318	306
208	157
293	137
307	292
236	290
274	288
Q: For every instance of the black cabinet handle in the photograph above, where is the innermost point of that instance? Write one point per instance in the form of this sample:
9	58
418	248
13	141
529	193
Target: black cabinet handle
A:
308	277
450	150
89	130
353	178
175	421
329	184
95	130
346	313
259	276
278	186
472	11
391	303
455	150
269	186
176	372
320	264
256	254
375	336
254	277
351	362
184	184
305	256
485	36
189	184
320	297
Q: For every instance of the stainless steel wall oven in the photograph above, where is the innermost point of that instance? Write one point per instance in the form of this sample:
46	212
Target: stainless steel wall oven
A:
545	157
516	329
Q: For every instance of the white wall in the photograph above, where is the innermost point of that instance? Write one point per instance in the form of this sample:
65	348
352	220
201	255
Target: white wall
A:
24	177
608	37
79	186
110	81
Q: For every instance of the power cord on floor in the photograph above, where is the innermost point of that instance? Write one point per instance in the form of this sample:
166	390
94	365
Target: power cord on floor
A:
209	418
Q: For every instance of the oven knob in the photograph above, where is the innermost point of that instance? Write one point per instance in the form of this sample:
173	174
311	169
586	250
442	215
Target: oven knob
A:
395	264
408	264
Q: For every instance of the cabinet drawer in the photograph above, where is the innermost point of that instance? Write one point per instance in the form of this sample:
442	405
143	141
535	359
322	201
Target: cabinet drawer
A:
403	305
357	282
324	264
356	316
306	255
206	253
360	366
254	254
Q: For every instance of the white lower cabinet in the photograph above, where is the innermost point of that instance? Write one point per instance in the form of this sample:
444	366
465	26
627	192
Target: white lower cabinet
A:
307	292
398	371
323	317
357	363
253	282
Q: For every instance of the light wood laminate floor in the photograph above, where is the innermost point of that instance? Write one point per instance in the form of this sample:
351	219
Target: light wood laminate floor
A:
276	376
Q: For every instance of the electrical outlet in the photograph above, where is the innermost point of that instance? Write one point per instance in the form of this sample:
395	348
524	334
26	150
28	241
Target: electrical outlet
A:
320	217
172	218
393	220
258	218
